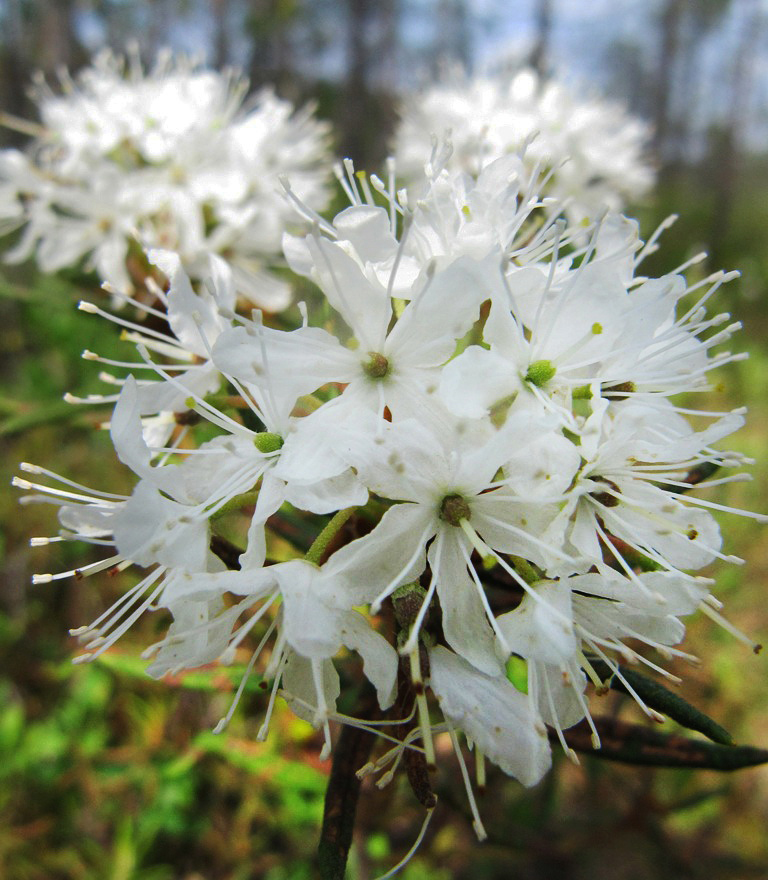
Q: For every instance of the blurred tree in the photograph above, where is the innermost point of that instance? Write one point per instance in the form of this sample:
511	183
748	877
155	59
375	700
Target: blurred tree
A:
452	37
701	19
271	25
670	18
220	10
728	140
13	63
629	75
682	29
539	57
356	119
56	44
365	115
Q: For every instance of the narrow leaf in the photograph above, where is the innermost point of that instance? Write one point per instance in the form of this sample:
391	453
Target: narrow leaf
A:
665	701
636	744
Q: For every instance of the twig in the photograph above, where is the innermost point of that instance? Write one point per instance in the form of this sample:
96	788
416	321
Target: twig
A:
353	748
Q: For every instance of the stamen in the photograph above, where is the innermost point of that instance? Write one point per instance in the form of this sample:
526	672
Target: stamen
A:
264	729
477	823
613	666
425	723
412	851
729	627
480	769
567	750
303	209
222	724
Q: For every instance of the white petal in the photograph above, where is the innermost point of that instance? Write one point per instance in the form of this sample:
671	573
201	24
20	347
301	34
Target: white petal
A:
365	306
394	553
151	528
188	645
380	659
555	691
475	380
542	629
465	623
493	713
426	332
298	681
311	626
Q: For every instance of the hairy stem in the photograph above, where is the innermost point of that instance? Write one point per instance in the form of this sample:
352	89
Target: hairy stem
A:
320	544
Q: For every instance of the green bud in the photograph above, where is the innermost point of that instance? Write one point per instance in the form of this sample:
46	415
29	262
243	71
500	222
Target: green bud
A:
540	372
407	601
517	673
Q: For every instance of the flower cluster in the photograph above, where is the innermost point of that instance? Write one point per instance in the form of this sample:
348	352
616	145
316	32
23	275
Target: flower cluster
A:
476	417
172	157
594	149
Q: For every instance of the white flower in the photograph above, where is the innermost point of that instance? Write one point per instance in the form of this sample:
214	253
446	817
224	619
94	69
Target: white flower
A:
629	453
455	496
395	366
315	621
594	148
172	155
561	335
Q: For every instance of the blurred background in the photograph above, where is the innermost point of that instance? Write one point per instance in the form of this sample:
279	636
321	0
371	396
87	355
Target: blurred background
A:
107	775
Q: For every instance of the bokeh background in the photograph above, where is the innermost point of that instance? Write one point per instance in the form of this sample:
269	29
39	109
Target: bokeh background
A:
108	775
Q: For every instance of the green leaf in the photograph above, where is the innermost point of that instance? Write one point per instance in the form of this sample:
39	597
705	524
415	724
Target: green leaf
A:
638	744
658	697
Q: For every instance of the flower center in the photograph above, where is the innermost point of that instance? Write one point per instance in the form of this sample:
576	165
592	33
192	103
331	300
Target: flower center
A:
268	442
607	499
453	509
377	366
540	372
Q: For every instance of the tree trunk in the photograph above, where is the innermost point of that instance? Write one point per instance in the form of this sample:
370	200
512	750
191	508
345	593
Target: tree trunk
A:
728	151
539	58
670	20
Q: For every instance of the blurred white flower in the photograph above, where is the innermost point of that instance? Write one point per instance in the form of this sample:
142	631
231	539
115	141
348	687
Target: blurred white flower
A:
593	147
175	156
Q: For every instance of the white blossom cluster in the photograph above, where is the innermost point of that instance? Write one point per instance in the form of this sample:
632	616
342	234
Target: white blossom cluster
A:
488	401
596	151
173	157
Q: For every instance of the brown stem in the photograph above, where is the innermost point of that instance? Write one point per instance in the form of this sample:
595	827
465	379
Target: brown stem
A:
352	751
